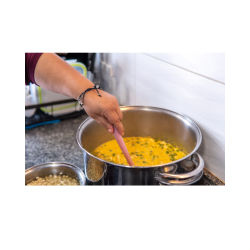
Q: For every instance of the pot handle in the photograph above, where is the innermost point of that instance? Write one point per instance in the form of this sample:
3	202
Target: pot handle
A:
196	171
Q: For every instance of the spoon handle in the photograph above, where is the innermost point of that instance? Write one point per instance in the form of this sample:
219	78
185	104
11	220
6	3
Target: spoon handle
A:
123	147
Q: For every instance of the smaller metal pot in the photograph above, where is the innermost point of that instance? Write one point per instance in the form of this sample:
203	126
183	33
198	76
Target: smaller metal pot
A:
54	168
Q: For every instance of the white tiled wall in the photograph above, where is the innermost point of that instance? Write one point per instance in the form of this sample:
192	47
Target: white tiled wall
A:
143	79
211	65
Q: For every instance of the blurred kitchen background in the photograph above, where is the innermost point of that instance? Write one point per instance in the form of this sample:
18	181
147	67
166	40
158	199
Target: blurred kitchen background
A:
190	84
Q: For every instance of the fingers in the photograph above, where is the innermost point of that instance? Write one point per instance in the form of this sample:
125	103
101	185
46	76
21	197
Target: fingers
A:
105	123
113	118
120	127
104	110
119	112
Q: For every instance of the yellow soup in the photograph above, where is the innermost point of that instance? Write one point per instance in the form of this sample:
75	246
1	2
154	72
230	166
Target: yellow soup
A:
143	150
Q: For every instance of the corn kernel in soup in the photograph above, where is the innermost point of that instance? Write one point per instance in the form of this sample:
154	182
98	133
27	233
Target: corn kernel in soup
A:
144	151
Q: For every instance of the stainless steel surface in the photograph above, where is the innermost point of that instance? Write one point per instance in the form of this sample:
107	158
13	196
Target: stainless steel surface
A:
187	181
140	121
54	168
199	167
168	169
95	162
194	164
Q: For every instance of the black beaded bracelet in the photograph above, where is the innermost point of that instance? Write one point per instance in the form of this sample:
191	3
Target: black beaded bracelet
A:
96	87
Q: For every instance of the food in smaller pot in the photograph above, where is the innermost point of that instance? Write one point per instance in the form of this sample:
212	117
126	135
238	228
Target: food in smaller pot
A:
54	180
54	173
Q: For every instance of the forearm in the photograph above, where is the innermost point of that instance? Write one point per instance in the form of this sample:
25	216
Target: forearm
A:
54	74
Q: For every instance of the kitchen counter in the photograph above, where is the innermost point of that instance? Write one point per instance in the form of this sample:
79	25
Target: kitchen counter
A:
57	143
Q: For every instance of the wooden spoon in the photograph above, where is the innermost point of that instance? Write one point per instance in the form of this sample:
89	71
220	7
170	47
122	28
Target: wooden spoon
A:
123	147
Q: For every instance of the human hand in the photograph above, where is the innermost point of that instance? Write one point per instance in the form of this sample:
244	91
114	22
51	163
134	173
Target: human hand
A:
105	110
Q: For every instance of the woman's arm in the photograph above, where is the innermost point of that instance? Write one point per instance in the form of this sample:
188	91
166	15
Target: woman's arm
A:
54	74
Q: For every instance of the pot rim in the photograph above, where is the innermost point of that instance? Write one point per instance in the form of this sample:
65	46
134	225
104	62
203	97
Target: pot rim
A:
199	140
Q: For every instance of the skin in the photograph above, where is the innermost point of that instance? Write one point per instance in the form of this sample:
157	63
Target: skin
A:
54	74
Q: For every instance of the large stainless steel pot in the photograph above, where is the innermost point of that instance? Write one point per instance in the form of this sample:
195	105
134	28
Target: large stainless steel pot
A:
144	121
